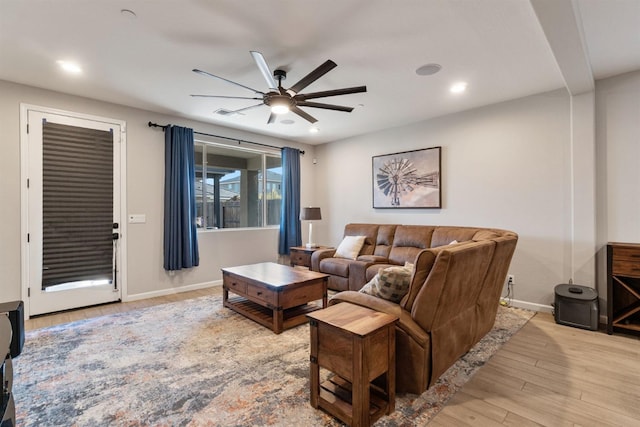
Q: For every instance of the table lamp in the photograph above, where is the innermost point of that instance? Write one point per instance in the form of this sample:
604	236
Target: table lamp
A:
310	214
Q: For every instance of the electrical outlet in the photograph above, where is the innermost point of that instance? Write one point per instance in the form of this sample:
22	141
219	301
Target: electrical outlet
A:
511	279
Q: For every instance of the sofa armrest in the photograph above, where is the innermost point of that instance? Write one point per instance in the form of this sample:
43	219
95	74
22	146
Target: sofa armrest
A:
405	322
358	274
319	255
366	300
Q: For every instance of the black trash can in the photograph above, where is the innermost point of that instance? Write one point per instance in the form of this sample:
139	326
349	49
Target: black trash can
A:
576	306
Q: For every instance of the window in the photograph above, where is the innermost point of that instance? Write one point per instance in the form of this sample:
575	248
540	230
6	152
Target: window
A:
231	189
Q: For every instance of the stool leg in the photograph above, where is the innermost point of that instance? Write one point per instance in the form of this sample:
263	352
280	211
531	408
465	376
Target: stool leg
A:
360	385
314	368
391	372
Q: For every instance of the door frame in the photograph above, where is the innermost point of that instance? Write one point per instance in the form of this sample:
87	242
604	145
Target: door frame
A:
24	198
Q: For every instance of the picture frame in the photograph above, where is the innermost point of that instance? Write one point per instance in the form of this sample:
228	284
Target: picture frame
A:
407	180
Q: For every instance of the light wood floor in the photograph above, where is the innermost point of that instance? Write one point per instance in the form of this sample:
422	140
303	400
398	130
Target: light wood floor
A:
547	374
552	375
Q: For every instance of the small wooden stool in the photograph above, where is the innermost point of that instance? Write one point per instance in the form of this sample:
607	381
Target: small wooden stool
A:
358	345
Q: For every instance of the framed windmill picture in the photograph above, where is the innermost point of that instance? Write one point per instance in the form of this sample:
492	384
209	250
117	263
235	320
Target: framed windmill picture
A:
410	179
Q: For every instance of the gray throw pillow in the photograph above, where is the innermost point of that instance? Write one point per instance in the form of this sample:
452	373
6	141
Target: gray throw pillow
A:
391	283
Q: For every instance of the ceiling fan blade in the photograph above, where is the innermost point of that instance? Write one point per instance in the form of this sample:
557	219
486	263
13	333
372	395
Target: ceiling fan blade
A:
325	106
335	92
264	69
195	70
225	97
303	114
313	76
272	118
245	108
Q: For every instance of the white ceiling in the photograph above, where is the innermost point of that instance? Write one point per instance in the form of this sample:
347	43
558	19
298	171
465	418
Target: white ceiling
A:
503	49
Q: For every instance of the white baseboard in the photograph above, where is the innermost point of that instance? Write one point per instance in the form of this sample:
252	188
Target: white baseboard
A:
546	308
531	306
171	291
135	297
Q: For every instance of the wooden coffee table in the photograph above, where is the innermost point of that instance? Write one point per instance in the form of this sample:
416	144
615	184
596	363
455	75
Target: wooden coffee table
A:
274	295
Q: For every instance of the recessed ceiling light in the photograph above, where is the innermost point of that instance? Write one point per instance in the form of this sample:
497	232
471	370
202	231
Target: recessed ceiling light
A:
287	122
428	69
70	67
314	130
458	87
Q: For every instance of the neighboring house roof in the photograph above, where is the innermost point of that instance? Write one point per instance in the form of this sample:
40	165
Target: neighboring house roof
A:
224	194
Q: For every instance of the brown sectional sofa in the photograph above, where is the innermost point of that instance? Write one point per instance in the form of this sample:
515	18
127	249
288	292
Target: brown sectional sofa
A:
452	299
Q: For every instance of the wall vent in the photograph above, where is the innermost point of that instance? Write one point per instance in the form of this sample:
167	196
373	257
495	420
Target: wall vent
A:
225	112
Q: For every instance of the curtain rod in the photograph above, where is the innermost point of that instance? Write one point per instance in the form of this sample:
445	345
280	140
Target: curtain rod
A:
239	141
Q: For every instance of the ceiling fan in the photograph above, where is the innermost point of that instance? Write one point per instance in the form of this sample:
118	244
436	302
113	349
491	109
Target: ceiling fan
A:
283	100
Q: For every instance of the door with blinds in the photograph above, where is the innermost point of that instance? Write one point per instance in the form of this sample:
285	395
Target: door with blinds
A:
74	230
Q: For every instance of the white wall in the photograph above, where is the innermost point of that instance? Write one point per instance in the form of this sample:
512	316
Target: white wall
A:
617	160
504	166
145	172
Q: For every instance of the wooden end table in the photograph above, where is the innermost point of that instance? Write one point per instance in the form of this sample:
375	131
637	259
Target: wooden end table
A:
358	345
273	295
301	255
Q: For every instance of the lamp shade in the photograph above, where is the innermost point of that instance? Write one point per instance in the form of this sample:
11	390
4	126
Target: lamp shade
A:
310	214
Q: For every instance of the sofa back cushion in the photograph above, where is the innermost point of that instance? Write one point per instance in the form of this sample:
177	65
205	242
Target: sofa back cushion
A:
369	231
453	284
486	234
445	235
493	283
423	264
408	241
384	241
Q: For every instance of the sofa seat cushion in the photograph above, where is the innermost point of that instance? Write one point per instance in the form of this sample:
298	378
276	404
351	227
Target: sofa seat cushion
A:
335	266
373	258
391	283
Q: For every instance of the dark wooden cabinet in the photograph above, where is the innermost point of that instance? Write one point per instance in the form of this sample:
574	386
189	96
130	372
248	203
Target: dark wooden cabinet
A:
7	407
623	287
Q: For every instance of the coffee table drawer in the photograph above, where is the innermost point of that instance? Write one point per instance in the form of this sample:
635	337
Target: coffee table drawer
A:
236	286
259	293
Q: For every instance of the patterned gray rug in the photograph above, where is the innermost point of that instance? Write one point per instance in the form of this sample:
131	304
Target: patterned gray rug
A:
195	363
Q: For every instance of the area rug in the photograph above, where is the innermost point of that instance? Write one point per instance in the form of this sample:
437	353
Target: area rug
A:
195	363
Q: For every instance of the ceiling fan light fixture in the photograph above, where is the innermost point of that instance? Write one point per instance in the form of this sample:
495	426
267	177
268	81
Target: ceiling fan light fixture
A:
280	104
279	109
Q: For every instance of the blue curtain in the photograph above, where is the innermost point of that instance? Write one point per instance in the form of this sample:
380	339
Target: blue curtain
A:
180	235
290	234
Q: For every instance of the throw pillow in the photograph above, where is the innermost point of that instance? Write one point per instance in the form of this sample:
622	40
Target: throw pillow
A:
349	247
391	283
